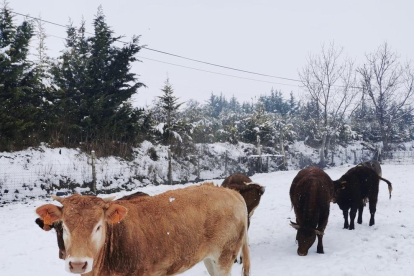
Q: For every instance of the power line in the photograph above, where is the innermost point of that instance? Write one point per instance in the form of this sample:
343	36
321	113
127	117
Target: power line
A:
221	66
186	58
216	73
174	55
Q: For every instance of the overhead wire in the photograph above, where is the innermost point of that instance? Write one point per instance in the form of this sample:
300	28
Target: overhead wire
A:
211	72
190	59
171	54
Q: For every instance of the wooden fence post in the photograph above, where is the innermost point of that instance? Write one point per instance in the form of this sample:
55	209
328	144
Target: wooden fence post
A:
225	164
259	152
198	165
169	168
93	186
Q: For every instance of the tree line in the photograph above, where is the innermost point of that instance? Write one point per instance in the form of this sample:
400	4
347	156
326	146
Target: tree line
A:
80	99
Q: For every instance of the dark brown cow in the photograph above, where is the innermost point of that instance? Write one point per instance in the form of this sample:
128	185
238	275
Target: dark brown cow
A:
59	230
251	192
353	189
236	178
311	192
156	235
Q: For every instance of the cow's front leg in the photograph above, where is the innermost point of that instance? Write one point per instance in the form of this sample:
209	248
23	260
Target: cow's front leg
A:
360	211
323	221
346	224
319	249
352	216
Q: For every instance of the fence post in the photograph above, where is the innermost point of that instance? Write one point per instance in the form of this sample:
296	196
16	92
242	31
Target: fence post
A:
169	168
259	152
198	166
225	164
346	155
93	186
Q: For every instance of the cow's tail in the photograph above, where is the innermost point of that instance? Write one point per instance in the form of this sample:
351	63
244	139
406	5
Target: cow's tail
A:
389	185
246	254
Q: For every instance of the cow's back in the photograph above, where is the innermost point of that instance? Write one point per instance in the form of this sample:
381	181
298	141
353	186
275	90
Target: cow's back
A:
173	231
373	164
366	180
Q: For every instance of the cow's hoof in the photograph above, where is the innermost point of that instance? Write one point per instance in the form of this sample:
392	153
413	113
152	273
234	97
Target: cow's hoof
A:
371	223
351	228
320	251
359	221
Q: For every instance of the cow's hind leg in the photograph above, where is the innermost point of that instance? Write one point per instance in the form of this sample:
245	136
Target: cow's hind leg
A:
225	262
346	224
372	209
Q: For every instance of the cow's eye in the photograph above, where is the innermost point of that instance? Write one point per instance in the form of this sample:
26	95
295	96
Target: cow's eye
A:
99	228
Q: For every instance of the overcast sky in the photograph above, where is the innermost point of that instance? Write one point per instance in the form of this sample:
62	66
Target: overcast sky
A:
269	37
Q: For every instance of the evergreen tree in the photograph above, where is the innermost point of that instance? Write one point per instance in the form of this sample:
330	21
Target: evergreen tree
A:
95	82
173	130
20	101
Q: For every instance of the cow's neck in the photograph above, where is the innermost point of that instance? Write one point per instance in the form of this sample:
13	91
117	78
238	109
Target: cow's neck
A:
120	253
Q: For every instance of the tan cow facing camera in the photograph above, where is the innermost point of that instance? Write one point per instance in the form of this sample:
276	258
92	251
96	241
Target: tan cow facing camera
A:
165	234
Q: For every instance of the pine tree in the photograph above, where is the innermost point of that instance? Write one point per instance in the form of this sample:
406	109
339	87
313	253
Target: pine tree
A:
20	101
95	82
168	117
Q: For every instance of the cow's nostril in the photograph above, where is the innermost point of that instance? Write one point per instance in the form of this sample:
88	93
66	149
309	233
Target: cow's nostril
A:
78	267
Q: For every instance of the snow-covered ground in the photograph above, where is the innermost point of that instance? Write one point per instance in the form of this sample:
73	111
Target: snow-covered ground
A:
384	249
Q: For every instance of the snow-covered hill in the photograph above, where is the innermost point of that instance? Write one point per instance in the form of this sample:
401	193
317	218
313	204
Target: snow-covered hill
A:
384	249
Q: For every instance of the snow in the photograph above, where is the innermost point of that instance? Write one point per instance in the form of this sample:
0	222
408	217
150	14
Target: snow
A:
383	249
160	128
4	50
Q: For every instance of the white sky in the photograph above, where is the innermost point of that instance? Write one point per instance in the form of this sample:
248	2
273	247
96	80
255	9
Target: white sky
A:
269	37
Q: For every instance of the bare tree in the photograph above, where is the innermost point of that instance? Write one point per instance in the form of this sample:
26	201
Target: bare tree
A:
390	88
330	81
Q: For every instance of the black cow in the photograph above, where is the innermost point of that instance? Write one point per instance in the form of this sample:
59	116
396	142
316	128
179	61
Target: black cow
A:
352	191
373	164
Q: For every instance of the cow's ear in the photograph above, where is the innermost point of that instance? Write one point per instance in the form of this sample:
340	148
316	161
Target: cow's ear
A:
115	213
49	213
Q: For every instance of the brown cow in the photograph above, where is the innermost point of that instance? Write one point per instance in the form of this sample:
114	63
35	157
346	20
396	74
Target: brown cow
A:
59	230
158	235
353	189
311	192
251	192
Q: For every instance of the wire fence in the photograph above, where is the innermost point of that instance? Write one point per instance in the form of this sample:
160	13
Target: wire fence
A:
28	179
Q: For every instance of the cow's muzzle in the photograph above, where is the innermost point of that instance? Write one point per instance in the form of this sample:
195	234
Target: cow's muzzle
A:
79	265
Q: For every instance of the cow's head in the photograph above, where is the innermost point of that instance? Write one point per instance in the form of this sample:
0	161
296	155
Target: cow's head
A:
339	185
84	223
305	237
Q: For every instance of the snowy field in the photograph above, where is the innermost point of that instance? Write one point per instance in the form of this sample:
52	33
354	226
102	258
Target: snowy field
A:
384	249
